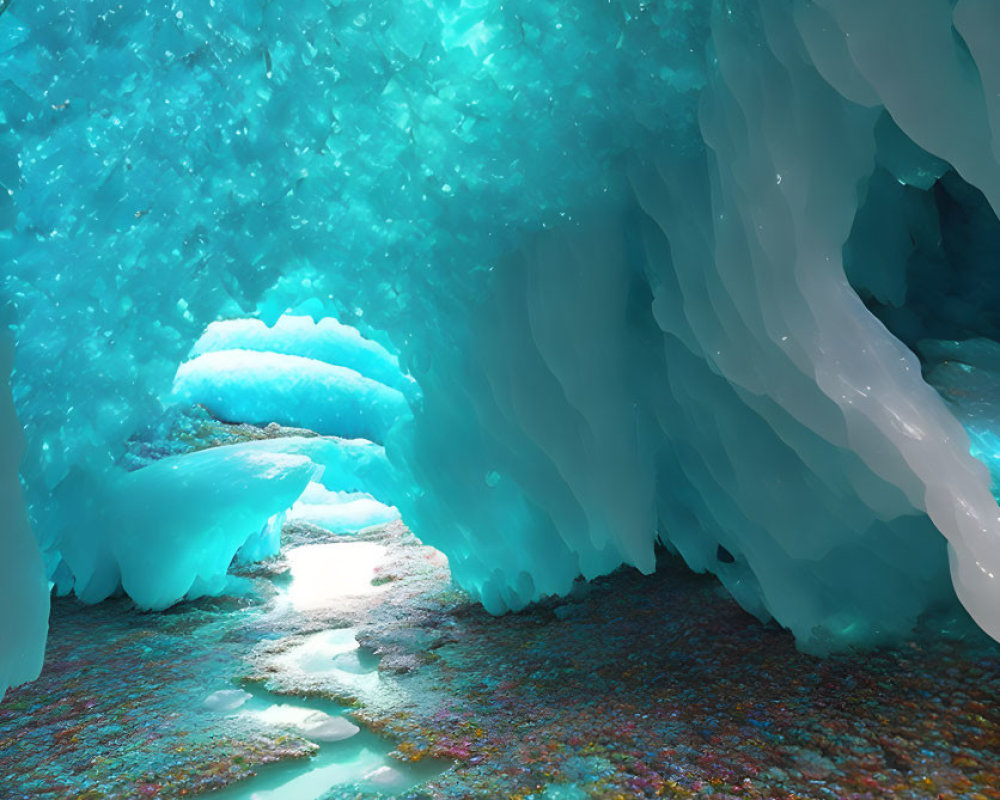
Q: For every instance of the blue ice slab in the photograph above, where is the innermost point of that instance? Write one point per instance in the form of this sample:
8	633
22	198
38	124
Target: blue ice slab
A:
263	387
967	374
340	512
264	543
349	465
177	524
326	340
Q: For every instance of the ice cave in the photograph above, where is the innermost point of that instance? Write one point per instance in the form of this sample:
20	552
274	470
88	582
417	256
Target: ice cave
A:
516	399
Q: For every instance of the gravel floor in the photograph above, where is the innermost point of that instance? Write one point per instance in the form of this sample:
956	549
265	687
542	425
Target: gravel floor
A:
656	686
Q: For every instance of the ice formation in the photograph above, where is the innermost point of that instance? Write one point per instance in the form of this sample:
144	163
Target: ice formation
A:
660	270
24	599
171	529
340	512
326	340
262	387
347	465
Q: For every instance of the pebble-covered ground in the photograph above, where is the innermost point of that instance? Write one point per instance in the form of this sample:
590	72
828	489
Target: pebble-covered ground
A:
635	686
120	711
661	686
117	712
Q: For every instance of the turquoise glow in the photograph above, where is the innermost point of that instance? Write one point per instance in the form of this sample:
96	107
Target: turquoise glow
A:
659	270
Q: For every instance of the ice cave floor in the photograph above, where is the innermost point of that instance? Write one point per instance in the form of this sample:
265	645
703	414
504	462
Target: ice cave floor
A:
635	686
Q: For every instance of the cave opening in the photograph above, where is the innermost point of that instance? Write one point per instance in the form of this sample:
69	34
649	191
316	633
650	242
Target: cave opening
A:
935	274
608	242
924	257
260	497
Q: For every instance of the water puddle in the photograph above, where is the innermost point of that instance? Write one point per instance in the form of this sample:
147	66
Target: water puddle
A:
350	760
354	765
333	654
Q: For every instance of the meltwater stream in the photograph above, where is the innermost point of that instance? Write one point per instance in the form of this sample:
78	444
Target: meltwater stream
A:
350	759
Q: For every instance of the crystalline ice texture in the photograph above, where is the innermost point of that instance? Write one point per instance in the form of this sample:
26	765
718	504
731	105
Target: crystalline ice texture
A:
692	366
260	387
326	340
177	524
24	601
340	512
622	249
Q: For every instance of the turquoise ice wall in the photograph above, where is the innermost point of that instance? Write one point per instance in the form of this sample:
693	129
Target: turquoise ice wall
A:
165	164
25	602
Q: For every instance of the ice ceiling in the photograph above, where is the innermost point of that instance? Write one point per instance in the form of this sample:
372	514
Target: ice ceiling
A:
660	270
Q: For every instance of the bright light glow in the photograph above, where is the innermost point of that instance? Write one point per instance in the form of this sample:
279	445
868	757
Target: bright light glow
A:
323	573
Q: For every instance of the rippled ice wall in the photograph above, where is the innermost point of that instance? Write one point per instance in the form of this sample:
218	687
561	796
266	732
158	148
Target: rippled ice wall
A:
699	366
608	242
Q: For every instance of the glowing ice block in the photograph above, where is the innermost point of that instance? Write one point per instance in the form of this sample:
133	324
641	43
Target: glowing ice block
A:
340	512
261	387
326	340
177	524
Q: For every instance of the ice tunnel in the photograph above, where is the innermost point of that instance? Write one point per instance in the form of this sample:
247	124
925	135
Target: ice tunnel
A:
718	277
